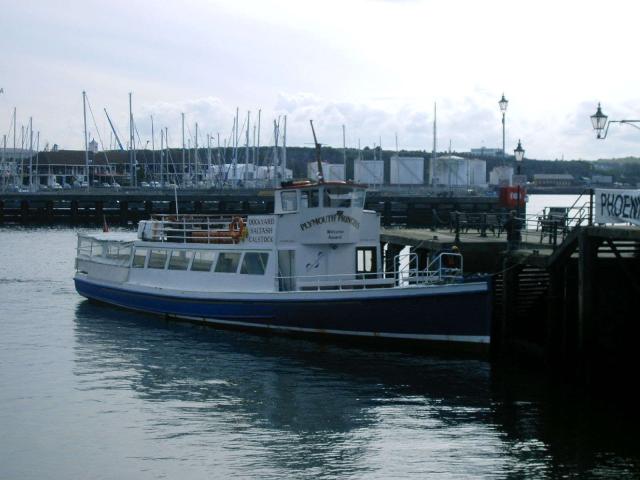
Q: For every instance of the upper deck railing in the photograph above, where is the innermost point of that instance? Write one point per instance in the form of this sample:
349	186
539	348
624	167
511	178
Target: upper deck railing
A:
219	229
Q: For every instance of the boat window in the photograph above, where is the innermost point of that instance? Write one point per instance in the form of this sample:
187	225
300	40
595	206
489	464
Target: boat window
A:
337	197
96	249
254	263
366	260
157	259
180	259
358	199
202	261
139	256
310	198
289	200
111	250
228	262
84	246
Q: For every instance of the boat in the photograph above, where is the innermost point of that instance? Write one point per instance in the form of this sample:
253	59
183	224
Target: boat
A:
314	267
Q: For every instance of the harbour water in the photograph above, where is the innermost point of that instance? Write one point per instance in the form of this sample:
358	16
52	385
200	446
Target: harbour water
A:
88	391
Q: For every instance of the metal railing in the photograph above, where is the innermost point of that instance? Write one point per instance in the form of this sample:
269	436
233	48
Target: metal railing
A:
225	229
445	268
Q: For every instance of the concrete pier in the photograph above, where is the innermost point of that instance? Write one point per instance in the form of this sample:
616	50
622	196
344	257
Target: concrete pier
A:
571	308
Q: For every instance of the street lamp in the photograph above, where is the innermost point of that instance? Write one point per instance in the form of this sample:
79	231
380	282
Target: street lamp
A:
518	153
503	108
599	122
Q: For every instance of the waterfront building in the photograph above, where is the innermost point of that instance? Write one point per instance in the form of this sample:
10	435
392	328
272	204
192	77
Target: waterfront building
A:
553	179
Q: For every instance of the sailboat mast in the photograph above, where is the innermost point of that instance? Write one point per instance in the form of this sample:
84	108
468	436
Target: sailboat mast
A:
182	176
344	148
86	145
246	151
258	152
153	146
284	150
432	163
31	154
195	159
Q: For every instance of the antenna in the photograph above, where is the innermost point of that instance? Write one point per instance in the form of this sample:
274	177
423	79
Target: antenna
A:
315	141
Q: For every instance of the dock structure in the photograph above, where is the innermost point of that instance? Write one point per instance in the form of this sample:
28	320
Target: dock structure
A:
130	206
570	306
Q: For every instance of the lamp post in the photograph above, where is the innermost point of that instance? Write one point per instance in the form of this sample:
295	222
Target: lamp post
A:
518	153
599	122
503	108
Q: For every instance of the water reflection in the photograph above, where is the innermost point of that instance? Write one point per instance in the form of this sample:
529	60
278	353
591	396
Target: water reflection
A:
274	406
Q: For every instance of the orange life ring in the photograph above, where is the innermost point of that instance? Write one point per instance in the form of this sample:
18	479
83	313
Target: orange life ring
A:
236	228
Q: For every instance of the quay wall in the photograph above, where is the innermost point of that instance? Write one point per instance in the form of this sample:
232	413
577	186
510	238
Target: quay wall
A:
88	208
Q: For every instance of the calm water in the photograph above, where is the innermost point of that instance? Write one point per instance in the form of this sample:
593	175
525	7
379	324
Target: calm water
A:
88	391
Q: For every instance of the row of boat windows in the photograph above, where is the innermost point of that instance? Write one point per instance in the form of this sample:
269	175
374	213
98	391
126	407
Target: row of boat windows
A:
250	263
336	197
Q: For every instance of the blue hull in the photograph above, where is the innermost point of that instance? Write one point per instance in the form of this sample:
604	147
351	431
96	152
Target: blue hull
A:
458	317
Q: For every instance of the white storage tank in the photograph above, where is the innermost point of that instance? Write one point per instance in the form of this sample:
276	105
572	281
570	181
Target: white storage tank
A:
332	171
501	175
369	172
406	170
454	171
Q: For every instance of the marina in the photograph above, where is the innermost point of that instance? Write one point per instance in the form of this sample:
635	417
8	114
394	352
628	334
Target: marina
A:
302	240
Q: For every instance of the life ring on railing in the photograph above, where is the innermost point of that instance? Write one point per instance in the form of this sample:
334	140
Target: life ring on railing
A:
237	229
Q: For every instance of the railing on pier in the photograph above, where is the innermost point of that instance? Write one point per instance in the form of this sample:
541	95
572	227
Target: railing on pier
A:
195	228
551	227
445	268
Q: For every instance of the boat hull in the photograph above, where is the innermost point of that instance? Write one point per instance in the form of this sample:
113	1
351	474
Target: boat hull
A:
454	314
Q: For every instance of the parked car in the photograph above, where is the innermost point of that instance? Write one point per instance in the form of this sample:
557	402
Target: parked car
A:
56	186
106	185
144	185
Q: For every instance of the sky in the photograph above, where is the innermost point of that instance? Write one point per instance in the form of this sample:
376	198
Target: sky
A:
375	66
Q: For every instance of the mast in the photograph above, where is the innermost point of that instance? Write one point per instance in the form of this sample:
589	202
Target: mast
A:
182	176
276	161
86	145
113	129
161	152
166	146
344	148
195	158
246	151
37	159
4	156
14	131
233	152
31	154
284	150
132	151
153	146
258	157
432	163
318	159
209	158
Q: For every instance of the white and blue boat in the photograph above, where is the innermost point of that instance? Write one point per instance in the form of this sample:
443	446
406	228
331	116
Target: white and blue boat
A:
312	267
